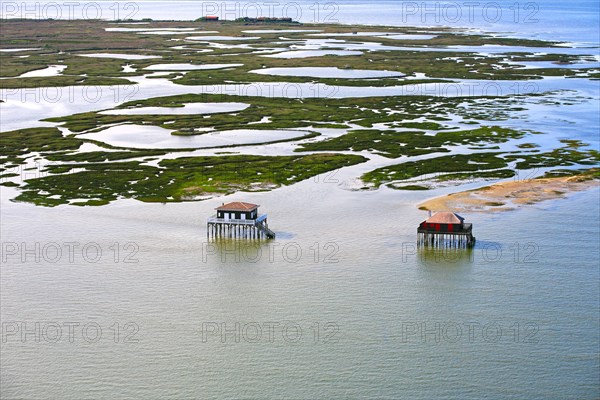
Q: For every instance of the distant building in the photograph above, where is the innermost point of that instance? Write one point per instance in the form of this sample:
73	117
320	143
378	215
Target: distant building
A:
209	18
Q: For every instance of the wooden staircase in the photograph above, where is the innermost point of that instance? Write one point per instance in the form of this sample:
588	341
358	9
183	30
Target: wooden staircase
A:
269	234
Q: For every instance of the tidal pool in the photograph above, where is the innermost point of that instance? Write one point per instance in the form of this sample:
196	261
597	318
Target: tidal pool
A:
187	109
191	48
120	29
155	137
313	53
552	64
16	50
51	70
339	44
170	32
224	38
387	35
119	56
327	72
282	30
188	67
409	37
128	68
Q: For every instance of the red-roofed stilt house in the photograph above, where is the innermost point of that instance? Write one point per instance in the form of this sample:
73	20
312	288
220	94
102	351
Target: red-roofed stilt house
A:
445	229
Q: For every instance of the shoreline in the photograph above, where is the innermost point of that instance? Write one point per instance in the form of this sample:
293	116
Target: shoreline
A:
509	196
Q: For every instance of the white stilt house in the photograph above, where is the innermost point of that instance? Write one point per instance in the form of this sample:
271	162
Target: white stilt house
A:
239	220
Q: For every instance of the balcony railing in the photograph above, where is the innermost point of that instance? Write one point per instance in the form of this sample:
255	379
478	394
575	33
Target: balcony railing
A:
251	222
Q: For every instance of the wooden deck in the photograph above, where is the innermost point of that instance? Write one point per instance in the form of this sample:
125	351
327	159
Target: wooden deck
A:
239	228
252	222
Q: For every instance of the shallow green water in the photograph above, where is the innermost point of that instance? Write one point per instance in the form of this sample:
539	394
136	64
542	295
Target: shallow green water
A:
515	318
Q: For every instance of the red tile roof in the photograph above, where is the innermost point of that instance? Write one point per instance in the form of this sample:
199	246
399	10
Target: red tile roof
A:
445	218
238	206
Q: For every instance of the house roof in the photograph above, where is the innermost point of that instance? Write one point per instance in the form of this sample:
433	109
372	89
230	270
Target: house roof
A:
238	206
445	218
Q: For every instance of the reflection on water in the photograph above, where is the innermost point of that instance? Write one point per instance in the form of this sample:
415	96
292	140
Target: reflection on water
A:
227	250
449	258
